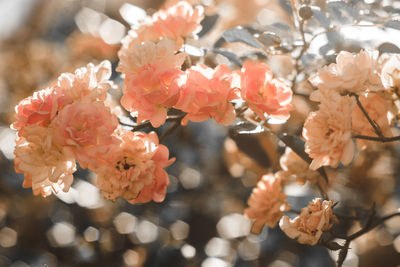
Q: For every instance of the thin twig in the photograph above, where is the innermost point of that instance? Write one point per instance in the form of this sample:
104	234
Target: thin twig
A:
371	224
382	139
373	123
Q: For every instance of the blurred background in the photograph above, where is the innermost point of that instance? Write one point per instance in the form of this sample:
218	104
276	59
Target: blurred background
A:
200	223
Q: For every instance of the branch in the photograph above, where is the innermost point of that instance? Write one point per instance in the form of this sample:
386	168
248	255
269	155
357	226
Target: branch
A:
372	122
382	139
371	224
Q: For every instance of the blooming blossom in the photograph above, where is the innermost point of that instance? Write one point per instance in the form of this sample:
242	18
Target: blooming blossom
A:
206	94
85	128
178	21
151	75
377	109
45	166
311	223
352	73
267	203
40	108
328	132
136	172
90	82
263	93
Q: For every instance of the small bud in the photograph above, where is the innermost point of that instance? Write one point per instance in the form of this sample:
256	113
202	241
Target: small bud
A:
305	12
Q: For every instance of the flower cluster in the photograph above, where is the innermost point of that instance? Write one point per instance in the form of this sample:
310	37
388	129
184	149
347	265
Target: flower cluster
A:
66	121
71	121
359	77
267	205
154	82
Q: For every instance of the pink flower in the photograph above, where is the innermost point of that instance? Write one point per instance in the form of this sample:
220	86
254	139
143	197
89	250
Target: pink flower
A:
206	94
178	21
175	23
45	166
151	86
263	93
328	132
39	109
352	73
90	82
267	203
145	32
377	109
311	223
86	128
136	171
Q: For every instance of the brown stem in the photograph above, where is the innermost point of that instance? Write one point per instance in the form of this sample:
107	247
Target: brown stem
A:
371	224
382	139
373	123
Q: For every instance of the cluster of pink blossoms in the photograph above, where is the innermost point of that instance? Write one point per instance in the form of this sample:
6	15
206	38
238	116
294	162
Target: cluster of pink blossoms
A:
71	121
155	82
328	131
267	204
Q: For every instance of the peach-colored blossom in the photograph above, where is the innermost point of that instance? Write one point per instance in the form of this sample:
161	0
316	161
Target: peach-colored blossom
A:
292	164
46	167
40	108
86	128
206	94
151	77
390	74
178	21
352	73
90	82
145	32
377	109
311	223
136	171
263	93
328	132
161	55
266	203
